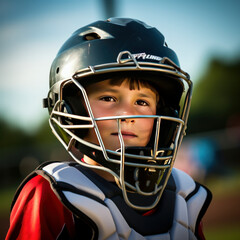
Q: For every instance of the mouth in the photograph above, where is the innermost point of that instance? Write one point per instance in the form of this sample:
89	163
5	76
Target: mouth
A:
125	134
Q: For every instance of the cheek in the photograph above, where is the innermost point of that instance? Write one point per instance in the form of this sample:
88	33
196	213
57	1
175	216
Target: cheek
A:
106	125
103	127
101	109
146	125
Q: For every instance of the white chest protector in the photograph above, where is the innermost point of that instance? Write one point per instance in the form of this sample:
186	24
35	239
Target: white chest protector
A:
80	194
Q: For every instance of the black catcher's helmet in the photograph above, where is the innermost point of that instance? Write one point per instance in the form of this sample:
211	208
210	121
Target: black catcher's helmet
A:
120	47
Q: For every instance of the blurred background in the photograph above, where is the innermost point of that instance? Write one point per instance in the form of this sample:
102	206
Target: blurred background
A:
206	37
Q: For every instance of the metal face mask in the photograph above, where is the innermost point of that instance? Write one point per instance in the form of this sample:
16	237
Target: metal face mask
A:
142	170
102	50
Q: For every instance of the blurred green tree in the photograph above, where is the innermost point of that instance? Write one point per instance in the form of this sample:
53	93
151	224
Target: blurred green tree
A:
11	135
21	151
216	97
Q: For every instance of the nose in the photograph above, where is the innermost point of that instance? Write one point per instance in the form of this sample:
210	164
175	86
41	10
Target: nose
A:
128	120
124	110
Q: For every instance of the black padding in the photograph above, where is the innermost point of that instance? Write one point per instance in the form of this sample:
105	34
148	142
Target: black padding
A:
158	222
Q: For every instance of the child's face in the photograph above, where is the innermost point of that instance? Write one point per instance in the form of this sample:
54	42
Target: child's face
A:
110	100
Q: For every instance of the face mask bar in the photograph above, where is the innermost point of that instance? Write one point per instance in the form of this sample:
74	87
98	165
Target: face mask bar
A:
158	188
65	133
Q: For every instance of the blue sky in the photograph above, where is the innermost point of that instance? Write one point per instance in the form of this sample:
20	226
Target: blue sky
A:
31	32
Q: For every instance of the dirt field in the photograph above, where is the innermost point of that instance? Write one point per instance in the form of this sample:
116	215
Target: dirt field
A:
223	210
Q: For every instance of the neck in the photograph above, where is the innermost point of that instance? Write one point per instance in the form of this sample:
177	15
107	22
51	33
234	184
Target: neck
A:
107	176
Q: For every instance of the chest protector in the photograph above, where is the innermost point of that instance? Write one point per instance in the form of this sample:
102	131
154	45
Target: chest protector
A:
100	203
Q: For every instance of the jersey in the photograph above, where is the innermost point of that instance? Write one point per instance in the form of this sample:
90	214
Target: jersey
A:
64	219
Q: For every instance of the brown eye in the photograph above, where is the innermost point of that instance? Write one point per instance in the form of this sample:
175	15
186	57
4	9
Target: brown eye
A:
108	99
142	103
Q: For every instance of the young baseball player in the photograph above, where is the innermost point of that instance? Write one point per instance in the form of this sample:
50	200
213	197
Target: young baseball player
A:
119	104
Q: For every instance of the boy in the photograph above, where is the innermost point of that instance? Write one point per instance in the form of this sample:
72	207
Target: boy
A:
118	103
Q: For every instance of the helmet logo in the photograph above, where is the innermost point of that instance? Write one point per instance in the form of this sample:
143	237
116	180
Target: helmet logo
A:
145	56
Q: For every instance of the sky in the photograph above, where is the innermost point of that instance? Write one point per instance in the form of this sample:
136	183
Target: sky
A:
32	32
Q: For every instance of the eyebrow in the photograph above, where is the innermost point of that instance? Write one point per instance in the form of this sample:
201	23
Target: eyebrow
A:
116	91
101	89
146	95
107	90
